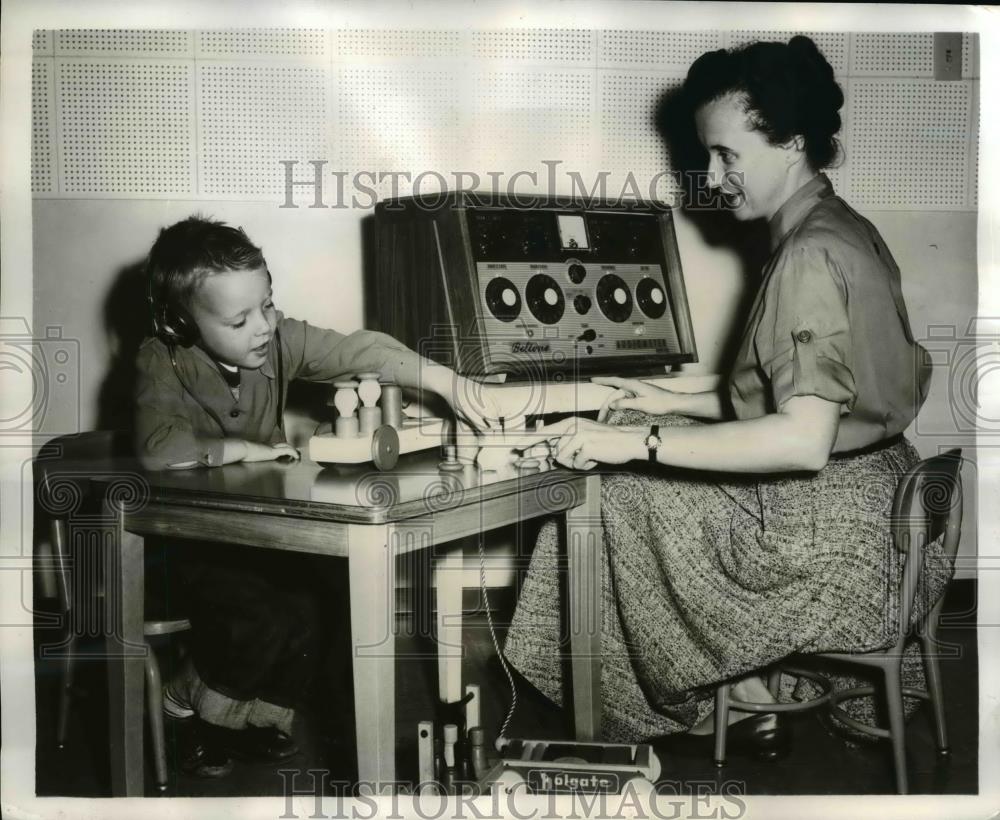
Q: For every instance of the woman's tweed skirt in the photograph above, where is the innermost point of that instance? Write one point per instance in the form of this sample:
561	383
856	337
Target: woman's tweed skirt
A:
707	580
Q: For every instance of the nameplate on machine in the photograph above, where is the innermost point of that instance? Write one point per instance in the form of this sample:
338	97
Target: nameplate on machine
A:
641	344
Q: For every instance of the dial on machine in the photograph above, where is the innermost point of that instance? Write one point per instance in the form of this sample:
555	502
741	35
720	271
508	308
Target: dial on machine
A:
512	291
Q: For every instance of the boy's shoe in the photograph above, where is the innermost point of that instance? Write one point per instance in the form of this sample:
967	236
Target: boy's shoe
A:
198	756
206	761
257	744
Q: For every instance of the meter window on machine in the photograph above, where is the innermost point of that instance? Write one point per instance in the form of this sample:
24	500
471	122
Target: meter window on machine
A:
572	231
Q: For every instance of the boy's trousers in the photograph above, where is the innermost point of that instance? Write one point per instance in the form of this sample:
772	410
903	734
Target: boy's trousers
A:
263	622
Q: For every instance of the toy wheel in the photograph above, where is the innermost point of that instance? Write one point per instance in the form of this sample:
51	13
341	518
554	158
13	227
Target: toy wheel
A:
507	781
385	447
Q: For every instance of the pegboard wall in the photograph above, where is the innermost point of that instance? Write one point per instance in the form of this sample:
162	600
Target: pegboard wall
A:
212	114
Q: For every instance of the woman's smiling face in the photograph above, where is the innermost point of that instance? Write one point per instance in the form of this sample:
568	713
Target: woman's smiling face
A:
752	174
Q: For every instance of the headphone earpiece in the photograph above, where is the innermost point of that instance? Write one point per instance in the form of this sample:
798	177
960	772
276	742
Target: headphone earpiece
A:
172	324
177	327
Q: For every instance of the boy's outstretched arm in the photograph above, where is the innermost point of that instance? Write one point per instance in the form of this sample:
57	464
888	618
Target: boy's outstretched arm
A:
326	355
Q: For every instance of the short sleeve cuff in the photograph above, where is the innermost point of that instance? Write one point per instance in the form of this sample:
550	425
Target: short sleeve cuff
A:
203	452
210	452
816	368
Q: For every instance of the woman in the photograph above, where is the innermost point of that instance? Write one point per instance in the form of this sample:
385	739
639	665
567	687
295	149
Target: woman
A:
773	538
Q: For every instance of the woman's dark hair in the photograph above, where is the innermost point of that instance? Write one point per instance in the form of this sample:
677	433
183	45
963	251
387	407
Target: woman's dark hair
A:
788	90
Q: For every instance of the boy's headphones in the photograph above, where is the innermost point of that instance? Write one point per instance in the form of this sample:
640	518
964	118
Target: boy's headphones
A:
172	323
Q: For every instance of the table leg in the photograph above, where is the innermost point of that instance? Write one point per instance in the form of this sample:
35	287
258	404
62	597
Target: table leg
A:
125	655
584	545
371	560
448	584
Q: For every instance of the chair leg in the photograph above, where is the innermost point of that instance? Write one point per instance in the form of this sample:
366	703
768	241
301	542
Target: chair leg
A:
448	582
897	725
932	670
68	663
721	719
154	706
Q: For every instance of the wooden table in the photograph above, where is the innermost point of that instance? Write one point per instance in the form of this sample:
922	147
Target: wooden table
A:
353	512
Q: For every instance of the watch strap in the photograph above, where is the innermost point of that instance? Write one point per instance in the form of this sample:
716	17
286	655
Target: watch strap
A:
654	432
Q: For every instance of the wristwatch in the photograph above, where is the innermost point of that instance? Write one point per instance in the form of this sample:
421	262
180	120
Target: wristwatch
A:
653	442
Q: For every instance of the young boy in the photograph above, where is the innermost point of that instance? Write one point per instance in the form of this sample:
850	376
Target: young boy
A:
211	388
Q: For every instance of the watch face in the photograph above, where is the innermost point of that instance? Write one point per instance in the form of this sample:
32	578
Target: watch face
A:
652	441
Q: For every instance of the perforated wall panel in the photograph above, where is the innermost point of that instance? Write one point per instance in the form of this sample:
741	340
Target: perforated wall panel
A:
252	116
521	117
43	149
41	42
126	127
123	43
396	44
563	46
139	113
906	55
658	50
283	43
909	142
974	149
970	55
834	45
398	119
629	141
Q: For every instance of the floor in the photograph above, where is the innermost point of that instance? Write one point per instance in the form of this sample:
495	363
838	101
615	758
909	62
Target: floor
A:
820	763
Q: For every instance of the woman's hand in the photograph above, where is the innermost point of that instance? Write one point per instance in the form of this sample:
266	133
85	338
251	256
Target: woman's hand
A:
632	394
582	444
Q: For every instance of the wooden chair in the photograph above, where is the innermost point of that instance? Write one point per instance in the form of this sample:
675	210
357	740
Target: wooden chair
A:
927	504
60	480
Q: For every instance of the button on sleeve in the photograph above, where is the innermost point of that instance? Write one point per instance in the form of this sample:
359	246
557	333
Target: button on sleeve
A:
804	340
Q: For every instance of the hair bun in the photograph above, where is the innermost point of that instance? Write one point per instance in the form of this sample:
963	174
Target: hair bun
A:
811	61
805	46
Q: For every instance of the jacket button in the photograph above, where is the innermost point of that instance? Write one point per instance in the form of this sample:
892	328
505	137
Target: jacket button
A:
234	414
804	336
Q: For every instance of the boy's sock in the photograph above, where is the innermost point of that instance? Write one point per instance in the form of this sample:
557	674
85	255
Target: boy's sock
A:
174	705
177	693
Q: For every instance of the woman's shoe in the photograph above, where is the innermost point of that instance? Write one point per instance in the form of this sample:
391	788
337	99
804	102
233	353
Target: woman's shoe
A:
765	736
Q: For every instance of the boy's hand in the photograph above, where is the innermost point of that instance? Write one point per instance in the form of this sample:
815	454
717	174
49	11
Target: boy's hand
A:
475	403
264	452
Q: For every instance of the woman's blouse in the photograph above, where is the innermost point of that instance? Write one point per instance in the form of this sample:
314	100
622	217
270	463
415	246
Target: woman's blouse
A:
829	320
